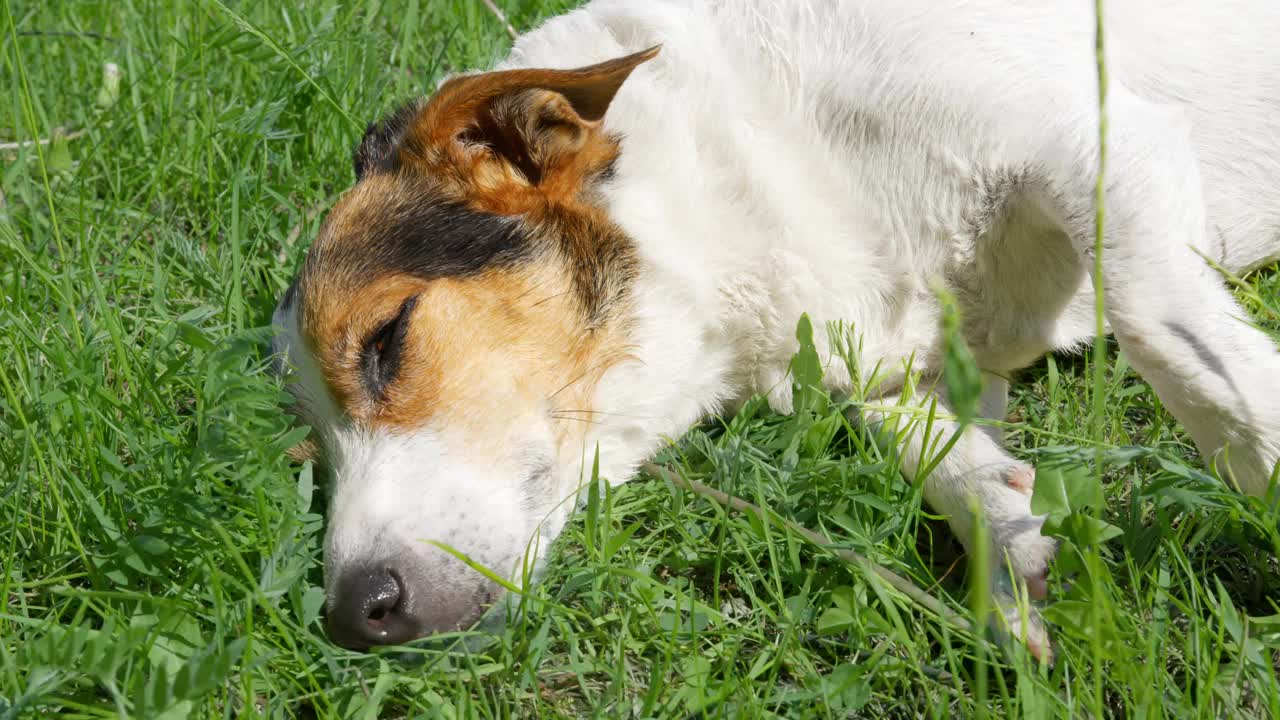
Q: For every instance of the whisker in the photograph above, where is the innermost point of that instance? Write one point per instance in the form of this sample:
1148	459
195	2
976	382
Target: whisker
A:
553	297
535	287
578	379
569	384
602	412
578	419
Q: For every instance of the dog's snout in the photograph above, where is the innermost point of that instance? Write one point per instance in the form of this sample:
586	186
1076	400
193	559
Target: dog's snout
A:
392	604
372	607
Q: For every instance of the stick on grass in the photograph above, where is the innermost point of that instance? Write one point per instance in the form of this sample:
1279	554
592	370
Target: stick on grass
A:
18	145
502	18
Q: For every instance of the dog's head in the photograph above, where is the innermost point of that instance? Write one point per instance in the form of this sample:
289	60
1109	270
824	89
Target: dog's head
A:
446	332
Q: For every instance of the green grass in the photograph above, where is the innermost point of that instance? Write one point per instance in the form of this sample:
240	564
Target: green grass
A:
160	555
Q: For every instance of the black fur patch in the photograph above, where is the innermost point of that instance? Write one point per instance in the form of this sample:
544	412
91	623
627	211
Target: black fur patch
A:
290	295
426	238
377	150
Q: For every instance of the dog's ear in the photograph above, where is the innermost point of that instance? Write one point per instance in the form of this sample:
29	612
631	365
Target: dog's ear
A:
580	97
516	131
378	148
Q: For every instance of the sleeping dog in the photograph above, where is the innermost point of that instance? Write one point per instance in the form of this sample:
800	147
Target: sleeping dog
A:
611	235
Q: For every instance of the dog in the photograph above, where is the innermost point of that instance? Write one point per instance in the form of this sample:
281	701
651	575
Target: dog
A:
611	235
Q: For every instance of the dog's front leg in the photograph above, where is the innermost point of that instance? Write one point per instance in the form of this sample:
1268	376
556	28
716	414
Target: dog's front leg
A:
1171	313
976	472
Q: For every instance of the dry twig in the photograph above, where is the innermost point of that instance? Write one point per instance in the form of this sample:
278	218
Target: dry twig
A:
57	134
502	18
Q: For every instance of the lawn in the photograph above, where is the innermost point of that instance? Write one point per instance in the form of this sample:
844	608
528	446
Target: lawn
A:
160	552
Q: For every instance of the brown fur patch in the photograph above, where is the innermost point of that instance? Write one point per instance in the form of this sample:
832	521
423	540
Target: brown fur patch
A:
514	142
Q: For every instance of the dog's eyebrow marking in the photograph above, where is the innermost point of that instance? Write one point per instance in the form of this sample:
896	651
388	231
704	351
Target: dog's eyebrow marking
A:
1206	355
424	237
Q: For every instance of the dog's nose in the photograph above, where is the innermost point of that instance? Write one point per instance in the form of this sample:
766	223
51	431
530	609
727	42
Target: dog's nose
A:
372	608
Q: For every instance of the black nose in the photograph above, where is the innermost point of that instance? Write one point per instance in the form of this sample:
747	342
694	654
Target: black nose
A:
372	608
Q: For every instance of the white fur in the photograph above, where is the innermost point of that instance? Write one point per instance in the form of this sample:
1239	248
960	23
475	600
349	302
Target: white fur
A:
838	157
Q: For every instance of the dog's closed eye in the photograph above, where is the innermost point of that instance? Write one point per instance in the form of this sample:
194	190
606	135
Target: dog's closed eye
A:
380	358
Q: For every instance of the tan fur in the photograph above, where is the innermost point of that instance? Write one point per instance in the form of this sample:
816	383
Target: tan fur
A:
479	353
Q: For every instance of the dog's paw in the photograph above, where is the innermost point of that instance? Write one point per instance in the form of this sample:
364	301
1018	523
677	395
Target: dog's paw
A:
1021	622
1247	468
1017	545
1027	555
